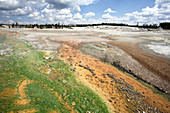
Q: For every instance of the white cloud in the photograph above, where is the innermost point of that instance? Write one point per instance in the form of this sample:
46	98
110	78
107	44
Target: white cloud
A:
64	11
9	4
19	18
69	15
25	22
76	9
10	22
68	11
75	21
35	14
73	4
109	11
35	22
77	16
89	14
18	12
107	16
63	17
19	7
56	14
159	13
51	19
40	17
52	10
160	2
47	10
5	16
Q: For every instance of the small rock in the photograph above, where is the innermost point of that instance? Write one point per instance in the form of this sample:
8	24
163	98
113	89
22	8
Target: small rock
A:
127	95
137	93
46	58
113	97
122	82
109	46
73	69
102	81
93	74
91	70
81	65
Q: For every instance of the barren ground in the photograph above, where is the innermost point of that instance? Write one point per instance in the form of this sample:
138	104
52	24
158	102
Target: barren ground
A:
115	99
155	63
120	92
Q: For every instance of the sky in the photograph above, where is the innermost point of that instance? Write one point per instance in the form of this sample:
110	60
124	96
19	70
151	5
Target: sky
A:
84	11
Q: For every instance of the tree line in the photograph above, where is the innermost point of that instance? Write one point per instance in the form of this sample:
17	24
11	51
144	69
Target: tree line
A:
164	25
153	26
40	26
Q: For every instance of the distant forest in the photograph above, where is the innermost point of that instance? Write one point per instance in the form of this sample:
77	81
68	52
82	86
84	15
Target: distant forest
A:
165	25
41	26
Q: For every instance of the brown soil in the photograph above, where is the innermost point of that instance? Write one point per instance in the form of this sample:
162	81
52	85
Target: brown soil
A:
22	100
69	107
27	111
107	90
1	32
156	64
7	93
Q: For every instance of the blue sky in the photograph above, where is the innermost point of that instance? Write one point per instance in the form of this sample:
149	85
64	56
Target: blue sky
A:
120	6
84	11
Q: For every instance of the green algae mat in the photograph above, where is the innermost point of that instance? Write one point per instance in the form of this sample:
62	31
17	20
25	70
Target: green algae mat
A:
30	83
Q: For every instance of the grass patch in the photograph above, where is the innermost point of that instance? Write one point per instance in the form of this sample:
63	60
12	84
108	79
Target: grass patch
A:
2	38
58	91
